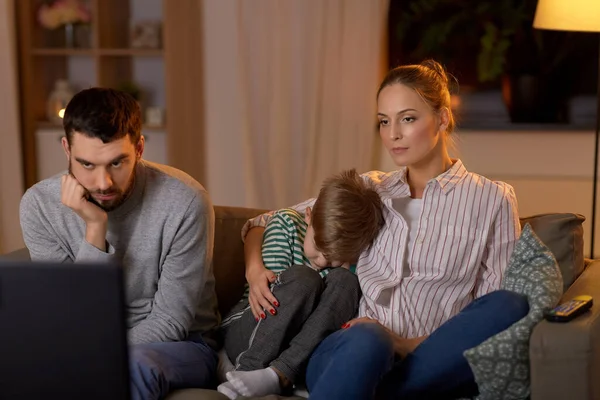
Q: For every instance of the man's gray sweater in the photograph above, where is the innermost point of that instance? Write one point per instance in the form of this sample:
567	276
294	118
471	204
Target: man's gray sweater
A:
162	235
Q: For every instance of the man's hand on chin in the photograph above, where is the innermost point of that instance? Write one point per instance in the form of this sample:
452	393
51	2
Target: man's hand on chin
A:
74	196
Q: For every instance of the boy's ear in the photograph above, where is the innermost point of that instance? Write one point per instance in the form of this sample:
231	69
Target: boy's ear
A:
307	215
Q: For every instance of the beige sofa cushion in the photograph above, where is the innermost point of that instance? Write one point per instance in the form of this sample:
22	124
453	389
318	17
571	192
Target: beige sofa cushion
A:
563	234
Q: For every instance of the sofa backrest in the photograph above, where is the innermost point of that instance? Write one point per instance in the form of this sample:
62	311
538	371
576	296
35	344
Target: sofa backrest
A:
228	257
563	234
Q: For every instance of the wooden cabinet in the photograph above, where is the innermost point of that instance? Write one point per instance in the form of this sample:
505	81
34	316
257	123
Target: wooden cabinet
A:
101	56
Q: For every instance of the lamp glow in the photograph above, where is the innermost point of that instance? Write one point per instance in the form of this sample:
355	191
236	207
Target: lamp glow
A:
571	15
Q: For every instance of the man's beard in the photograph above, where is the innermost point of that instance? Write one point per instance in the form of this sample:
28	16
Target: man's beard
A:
120	195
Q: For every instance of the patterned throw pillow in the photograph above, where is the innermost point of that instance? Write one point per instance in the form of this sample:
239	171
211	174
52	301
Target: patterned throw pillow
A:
501	363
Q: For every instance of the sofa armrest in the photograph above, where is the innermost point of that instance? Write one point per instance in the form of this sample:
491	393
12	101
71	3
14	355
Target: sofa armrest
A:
565	357
17	255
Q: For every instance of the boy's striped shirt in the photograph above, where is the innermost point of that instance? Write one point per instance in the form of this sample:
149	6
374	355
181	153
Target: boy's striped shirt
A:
283	246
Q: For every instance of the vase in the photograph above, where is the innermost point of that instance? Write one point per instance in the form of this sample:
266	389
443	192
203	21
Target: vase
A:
58	100
69	36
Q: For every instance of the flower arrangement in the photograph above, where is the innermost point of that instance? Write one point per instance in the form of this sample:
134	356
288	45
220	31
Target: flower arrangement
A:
63	12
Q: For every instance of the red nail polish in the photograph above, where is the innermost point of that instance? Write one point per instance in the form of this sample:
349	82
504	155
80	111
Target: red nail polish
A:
345	326
256	318
276	303
263	316
272	311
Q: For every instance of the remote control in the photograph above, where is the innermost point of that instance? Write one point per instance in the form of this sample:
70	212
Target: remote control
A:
570	309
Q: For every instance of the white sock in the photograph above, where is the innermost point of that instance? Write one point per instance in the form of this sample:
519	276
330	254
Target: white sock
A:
228	390
260	382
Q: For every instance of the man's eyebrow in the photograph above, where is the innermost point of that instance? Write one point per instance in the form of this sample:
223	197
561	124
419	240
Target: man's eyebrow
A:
113	161
119	158
82	161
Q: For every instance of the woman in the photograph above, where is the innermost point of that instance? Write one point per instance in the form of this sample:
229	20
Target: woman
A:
430	282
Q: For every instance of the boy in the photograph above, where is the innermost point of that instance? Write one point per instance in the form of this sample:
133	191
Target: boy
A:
315	298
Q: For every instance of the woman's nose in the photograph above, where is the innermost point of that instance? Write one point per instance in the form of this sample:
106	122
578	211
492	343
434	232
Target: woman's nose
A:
395	132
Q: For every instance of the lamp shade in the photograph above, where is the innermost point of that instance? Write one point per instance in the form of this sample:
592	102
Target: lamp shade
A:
568	15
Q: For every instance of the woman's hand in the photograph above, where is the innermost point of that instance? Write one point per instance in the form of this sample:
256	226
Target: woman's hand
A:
361	320
260	297
402	346
258	276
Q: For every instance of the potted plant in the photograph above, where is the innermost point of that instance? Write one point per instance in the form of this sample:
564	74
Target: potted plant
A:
134	90
131	88
535	78
498	38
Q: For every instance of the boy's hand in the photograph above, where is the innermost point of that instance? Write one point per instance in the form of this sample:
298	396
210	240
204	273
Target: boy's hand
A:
260	297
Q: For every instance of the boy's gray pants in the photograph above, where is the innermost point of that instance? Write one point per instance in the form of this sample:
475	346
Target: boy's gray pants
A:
310	308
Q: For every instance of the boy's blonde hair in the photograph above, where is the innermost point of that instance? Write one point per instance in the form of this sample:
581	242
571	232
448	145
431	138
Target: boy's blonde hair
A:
346	217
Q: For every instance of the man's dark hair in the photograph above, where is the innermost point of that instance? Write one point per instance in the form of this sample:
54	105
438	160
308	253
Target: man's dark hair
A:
106	114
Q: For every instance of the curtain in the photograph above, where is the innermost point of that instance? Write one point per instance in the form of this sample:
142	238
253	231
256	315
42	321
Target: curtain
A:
309	75
11	175
290	92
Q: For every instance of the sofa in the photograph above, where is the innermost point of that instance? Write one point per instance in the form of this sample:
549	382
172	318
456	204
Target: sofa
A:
565	357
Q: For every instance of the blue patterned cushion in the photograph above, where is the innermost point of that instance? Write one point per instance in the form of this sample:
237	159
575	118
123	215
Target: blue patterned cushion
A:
501	363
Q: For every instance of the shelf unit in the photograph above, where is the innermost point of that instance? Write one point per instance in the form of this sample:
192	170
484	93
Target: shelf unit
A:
176	70
105	61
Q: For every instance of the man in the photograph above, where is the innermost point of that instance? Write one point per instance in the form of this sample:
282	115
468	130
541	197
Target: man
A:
156	221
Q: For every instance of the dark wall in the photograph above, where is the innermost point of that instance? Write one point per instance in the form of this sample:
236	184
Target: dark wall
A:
578	71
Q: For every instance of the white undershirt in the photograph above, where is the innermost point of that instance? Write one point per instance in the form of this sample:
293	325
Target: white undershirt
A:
410	209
